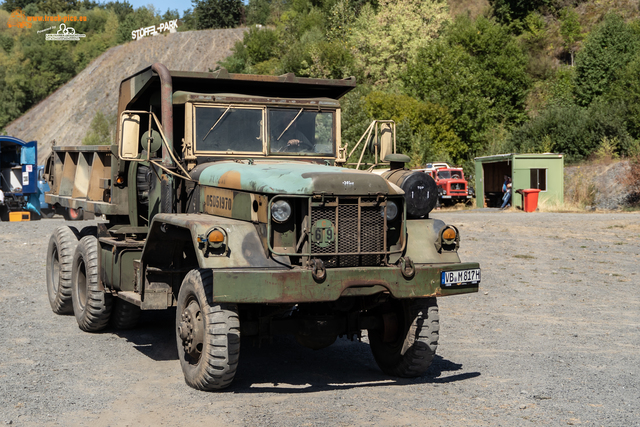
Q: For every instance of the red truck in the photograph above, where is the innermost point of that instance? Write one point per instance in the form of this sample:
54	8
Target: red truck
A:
452	186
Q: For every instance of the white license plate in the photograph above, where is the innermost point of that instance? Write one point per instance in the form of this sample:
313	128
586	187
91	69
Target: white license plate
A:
460	277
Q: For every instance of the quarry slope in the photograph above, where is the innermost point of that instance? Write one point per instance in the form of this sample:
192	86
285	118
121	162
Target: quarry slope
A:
65	116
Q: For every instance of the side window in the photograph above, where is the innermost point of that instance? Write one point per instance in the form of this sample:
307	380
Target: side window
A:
324	133
539	179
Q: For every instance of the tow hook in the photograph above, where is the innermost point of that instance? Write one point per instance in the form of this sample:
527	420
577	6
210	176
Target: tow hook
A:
318	270
406	267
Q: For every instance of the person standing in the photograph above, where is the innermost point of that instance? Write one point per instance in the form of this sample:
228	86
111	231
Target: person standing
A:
506	192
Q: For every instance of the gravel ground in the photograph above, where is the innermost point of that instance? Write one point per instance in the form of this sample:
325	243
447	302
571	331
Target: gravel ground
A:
552	339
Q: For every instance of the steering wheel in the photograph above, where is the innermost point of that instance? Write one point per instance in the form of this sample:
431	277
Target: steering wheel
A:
301	146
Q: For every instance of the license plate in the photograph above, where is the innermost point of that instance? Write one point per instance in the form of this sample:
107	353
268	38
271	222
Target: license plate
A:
460	277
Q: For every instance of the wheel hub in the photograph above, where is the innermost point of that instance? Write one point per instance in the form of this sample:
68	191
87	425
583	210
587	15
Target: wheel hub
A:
191	330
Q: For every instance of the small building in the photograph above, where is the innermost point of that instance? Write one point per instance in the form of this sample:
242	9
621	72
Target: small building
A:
542	171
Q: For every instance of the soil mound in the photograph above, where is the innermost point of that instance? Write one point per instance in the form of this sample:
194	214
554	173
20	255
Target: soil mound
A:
66	114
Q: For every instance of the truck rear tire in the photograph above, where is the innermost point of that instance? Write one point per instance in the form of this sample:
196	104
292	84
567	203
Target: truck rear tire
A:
62	246
207	334
125	315
91	305
408	352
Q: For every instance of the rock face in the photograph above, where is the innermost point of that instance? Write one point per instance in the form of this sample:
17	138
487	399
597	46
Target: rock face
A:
65	115
608	185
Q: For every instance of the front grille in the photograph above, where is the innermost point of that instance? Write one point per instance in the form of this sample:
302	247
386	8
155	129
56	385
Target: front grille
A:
457	186
362	240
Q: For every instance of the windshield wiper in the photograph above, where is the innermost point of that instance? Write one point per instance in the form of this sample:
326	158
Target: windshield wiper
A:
218	121
290	123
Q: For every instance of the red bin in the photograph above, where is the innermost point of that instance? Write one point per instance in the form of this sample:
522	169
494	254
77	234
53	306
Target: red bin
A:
530	199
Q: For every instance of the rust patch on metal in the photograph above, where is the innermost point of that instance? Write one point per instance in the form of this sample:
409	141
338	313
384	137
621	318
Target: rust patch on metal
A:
230	179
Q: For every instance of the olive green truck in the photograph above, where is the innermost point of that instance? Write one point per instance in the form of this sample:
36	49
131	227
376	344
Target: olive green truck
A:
226	196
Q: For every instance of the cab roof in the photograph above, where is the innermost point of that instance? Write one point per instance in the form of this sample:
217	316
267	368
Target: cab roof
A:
145	83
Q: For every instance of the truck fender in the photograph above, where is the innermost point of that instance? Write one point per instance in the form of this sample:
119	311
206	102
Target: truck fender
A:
421	239
243	245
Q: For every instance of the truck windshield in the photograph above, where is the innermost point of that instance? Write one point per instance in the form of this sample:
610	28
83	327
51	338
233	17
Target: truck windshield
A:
229	129
300	131
450	174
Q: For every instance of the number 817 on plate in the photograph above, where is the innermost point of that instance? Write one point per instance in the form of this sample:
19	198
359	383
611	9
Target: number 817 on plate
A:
460	277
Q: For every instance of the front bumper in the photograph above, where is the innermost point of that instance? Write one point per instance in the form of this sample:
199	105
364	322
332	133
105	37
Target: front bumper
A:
457	196
298	285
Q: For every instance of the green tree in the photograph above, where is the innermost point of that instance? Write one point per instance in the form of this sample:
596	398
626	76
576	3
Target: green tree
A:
262	44
101	34
514	11
141	17
477	70
258	12
340	21
570	30
386	41
217	13
430	126
11	5
121	8
170	15
608	49
626	90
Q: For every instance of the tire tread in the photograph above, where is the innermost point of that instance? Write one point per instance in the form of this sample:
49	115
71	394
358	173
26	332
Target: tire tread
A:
219	359
96	313
64	241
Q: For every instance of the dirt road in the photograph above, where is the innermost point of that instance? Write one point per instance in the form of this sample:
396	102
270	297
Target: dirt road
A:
552	338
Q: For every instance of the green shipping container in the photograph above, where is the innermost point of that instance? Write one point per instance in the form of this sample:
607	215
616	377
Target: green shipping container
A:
542	171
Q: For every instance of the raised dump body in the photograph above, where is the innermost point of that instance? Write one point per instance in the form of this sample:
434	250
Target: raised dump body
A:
224	197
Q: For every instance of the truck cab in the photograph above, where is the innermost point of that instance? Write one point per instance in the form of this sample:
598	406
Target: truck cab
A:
226	196
452	185
18	176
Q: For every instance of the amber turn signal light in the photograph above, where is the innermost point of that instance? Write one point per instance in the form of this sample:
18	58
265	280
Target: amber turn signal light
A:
449	234
216	236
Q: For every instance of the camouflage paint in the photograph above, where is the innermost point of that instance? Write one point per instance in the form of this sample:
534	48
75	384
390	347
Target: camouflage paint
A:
297	285
247	264
294	178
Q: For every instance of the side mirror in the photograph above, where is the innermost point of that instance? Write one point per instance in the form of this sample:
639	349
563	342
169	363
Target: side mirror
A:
129	136
386	140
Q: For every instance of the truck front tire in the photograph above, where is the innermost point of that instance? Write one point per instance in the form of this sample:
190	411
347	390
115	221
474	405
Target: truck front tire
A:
207	334
407	352
62	246
91	305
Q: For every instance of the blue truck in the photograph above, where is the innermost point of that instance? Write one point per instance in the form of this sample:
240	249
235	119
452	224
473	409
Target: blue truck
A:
18	176
22	183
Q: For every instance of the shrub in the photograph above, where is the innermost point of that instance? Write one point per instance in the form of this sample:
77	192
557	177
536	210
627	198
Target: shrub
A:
100	130
573	130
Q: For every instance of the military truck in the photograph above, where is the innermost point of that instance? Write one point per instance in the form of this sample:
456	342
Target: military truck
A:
225	197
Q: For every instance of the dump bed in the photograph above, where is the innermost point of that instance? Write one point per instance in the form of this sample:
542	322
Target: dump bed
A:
81	178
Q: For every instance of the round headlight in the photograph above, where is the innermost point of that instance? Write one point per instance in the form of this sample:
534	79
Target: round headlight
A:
280	211
392	210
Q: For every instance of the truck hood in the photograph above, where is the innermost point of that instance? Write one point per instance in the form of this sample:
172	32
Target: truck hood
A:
296	178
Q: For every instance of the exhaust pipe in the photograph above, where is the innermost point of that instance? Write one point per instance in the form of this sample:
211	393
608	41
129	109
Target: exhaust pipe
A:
166	107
